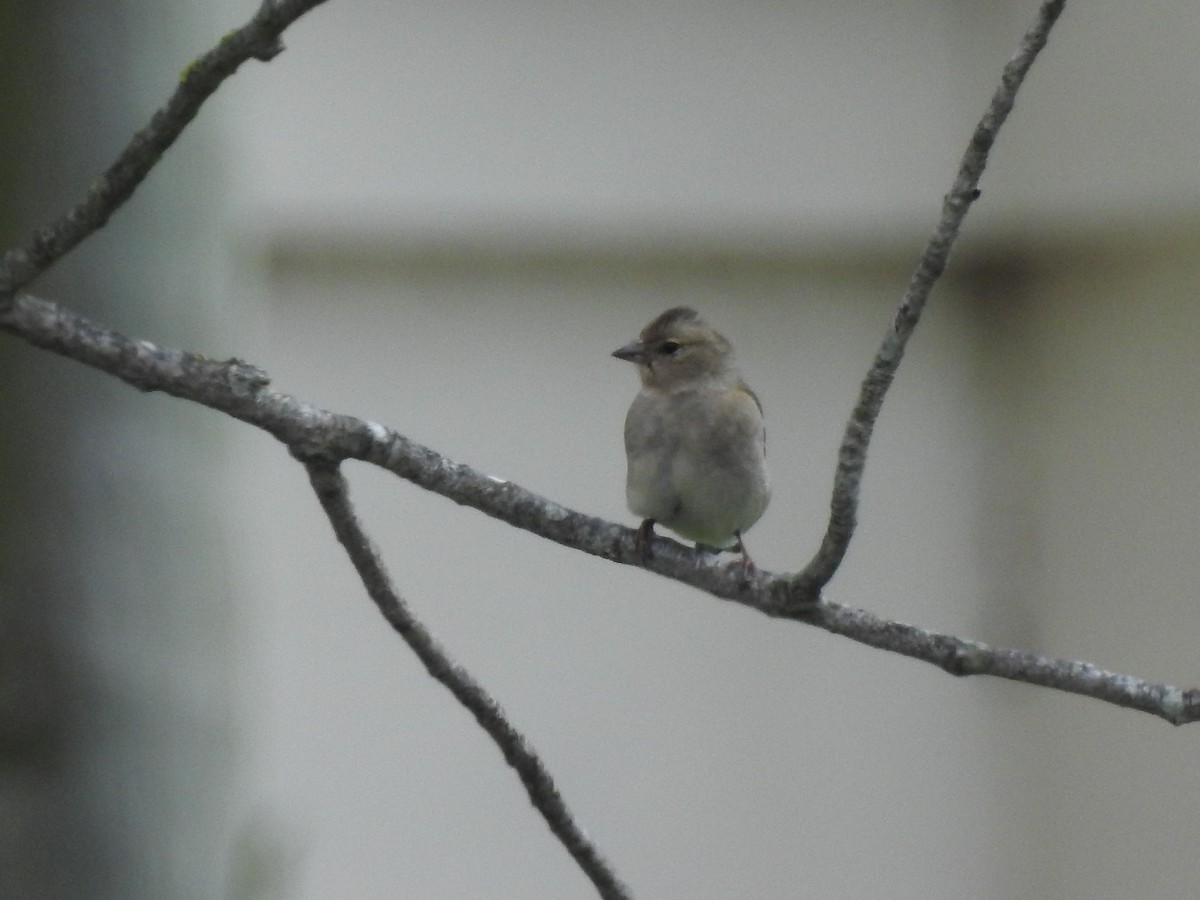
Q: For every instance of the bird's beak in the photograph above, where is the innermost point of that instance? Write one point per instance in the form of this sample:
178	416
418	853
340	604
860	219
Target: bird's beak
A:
634	352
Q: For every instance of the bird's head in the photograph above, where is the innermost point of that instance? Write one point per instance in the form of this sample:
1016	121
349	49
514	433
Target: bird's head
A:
677	350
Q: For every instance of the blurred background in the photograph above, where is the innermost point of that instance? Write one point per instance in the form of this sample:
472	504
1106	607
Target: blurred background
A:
443	217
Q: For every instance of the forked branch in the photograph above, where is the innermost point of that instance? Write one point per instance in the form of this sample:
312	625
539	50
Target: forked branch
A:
852	456
323	440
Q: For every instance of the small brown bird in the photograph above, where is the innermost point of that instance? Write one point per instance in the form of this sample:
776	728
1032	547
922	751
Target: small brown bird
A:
694	436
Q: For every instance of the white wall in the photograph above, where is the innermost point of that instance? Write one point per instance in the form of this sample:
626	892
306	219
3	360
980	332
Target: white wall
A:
1106	432
711	752
462	209
683	115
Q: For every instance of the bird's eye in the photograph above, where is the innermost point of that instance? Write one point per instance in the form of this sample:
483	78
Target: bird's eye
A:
669	347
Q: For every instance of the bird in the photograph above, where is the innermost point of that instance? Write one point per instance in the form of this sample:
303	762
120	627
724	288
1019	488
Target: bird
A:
695	439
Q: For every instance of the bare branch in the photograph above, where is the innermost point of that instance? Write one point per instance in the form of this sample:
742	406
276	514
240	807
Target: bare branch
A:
239	389
312	433
332	491
323	439
257	39
232	385
852	456
1177	705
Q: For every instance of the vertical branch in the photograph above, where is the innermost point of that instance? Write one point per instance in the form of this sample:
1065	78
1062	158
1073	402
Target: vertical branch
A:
852	455
331	490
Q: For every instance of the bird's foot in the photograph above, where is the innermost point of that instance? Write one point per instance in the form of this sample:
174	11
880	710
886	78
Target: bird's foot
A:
745	562
645	534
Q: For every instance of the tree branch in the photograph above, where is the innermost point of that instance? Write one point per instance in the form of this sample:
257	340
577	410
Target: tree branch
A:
257	39
324	439
240	390
957	656
852	456
332	491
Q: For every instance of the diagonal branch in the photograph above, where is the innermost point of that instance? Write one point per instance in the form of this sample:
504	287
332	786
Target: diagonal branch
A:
332	491
257	39
240	390
852	456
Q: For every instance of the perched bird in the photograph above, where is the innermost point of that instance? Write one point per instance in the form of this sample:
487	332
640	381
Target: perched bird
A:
694	436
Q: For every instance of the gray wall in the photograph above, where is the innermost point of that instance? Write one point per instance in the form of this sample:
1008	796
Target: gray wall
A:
117	723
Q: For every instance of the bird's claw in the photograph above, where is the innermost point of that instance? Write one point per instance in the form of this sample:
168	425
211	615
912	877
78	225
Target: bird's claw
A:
645	534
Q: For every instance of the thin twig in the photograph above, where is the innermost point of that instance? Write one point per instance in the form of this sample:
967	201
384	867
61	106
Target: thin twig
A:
257	39
852	456
241	391
333	493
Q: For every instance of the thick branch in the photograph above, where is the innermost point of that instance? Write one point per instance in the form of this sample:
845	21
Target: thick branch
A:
852	456
332	491
240	390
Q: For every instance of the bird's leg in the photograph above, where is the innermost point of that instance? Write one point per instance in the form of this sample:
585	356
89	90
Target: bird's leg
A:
746	562
645	534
